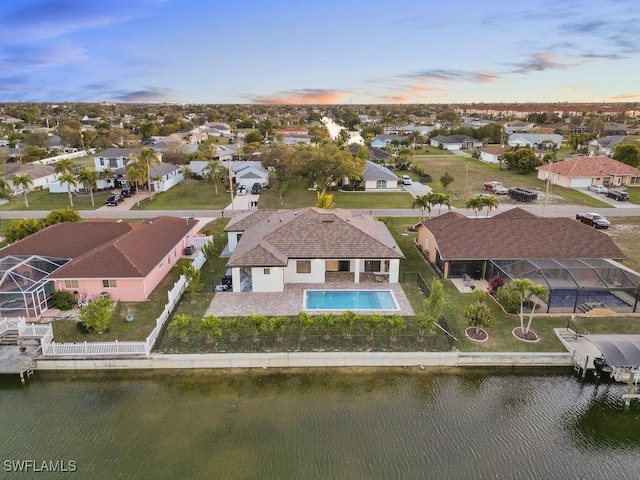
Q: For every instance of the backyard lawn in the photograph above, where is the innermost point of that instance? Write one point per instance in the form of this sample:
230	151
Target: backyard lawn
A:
146	313
187	196
471	174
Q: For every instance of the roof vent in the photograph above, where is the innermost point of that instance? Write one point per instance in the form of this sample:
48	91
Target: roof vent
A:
327	220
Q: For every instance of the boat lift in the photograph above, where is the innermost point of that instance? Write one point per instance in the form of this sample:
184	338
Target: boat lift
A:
621	359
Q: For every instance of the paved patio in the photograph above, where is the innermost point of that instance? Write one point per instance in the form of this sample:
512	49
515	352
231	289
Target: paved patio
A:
290	302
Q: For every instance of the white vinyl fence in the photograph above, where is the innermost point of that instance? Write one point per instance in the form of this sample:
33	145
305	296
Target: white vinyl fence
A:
53	349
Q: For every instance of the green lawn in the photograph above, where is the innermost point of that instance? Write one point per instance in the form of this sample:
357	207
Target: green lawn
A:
146	313
298	196
187	196
471	174
427	150
43	200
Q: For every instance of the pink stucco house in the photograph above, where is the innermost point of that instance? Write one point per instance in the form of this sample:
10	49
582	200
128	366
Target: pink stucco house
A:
126	260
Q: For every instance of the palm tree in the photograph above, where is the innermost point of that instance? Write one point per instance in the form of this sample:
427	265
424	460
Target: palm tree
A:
5	189
441	199
135	175
89	179
491	203
325	200
64	166
373	322
212	173
211	325
70	179
422	202
475	203
23	180
147	159
526	289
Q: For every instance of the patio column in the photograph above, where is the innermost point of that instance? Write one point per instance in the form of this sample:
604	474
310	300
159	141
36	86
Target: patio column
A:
394	270
356	272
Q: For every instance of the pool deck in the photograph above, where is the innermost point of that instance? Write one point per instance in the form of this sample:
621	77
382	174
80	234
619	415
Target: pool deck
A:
290	302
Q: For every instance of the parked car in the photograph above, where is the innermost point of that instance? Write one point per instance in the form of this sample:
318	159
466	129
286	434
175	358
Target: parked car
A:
242	190
256	189
126	192
598	188
114	200
594	220
496	187
618	195
406	180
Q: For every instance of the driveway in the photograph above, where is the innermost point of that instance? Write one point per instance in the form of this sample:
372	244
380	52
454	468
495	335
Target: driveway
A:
605	199
243	202
417	188
128	201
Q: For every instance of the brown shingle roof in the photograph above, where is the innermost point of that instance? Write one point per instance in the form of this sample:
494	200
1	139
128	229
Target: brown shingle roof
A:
312	233
590	167
106	250
515	235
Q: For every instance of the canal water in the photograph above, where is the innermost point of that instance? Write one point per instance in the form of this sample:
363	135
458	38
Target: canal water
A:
327	424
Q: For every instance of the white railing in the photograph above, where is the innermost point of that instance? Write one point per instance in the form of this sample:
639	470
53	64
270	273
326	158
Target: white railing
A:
94	349
101	349
198	262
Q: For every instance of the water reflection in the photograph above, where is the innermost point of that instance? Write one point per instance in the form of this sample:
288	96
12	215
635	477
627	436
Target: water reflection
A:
396	423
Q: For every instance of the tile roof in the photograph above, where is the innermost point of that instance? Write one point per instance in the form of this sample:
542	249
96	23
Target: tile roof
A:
118	152
518	234
307	233
105	249
590	167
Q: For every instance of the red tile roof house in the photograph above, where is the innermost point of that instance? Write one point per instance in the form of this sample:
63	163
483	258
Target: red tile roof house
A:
127	260
580	172
270	249
576	263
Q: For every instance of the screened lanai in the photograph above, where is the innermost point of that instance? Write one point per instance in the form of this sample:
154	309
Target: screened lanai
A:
25	285
575	284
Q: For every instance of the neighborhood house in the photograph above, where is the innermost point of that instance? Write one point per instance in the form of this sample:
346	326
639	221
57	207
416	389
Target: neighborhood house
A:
125	261
270	249
577	264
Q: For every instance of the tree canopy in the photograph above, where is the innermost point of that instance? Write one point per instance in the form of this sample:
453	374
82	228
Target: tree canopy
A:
627	153
522	160
327	164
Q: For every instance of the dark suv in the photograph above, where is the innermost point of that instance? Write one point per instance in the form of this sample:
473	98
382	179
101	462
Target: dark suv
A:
256	189
113	200
618	195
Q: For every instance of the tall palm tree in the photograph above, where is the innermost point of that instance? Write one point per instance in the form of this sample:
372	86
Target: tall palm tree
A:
423	202
491	203
89	179
147	159
526	289
442	199
475	203
23	180
135	175
64	166
70	179
212	173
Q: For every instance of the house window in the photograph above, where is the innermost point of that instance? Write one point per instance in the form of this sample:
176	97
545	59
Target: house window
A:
303	266
101	161
71	284
113	163
109	284
267	271
381	184
372	265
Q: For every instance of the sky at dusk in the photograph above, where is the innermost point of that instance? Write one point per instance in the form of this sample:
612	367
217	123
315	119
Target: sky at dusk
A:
320	51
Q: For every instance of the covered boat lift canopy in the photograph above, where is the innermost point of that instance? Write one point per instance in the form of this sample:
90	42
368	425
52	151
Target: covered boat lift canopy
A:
619	350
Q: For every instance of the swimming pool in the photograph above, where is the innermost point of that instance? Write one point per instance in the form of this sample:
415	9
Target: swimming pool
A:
350	300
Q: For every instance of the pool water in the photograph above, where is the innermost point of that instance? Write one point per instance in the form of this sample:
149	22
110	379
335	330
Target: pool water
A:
350	300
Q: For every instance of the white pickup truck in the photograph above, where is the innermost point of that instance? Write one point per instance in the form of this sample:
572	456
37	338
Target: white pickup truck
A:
496	187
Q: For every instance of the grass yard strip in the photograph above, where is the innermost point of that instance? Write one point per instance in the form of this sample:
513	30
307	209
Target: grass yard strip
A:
187	196
43	200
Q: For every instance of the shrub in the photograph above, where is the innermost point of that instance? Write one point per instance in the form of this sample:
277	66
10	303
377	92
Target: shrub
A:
495	283
508	298
96	314
63	300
